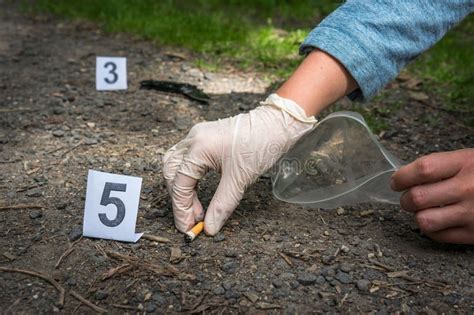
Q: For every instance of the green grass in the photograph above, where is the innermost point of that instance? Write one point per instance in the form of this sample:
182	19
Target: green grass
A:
263	35
448	69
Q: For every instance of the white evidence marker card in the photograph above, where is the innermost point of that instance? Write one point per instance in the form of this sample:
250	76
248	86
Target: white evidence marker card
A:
111	206
111	73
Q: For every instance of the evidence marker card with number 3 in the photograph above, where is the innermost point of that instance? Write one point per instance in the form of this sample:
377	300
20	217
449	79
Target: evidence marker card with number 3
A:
111	206
111	73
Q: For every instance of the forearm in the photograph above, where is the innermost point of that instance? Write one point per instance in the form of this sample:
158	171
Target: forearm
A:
318	82
375	39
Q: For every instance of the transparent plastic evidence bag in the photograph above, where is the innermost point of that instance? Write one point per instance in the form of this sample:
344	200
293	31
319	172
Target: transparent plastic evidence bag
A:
338	163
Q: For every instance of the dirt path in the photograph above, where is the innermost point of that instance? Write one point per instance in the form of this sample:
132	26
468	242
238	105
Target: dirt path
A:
270	256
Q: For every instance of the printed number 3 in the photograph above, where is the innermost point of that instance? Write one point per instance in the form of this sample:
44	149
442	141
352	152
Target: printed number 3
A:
112	72
106	200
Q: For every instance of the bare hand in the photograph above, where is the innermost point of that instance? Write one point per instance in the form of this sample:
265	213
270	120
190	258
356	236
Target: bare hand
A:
439	190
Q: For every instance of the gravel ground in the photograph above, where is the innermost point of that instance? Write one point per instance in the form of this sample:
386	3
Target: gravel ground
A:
270	257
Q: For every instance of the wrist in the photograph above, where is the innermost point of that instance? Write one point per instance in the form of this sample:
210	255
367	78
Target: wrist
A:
290	107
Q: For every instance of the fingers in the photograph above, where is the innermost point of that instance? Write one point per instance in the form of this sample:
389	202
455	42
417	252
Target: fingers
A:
456	235
224	202
182	197
427	169
442	193
437	219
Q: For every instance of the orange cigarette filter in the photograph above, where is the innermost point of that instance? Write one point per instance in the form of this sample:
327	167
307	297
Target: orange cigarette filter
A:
195	231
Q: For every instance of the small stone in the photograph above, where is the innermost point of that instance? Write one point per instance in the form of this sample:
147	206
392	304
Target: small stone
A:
277	283
232	294
75	233
229	267
287	276
34	214
230	253
219	237
37	238
320	280
252	296
150	307
346	267
328	259
90	141
218	291
340	211
363	285
101	295
71	282
344	277
58	133
34	193
306	278
58	110
344	249
176	255
61	206
182	122
156	213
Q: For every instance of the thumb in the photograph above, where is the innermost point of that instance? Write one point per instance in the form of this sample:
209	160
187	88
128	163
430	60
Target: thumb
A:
226	198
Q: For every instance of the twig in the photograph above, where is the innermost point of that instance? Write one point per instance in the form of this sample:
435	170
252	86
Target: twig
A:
197	304
9	161
286	258
20	109
21	206
42	276
71	149
86	302
125	307
67	252
155	238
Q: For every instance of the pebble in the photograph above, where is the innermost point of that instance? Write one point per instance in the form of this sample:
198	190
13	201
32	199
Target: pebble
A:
34	214
34	193
71	282
229	267
150	307
328	259
75	233
232	294
277	283
346	267
218	291
156	213
58	133
90	141
306	278
159	299
287	276
320	280
58	110
363	285
101	295
230	253
219	237
182	122
340	211
344	277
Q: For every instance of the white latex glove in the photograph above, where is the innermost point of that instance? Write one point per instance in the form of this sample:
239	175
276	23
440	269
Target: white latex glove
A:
241	148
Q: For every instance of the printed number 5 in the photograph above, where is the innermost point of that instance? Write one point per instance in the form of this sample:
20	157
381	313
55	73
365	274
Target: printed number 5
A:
106	200
112	72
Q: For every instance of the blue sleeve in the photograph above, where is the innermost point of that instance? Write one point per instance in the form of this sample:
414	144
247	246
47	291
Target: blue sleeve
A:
375	39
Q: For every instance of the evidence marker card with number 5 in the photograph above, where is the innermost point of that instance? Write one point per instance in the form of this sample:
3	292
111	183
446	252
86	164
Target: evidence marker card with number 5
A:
111	206
111	73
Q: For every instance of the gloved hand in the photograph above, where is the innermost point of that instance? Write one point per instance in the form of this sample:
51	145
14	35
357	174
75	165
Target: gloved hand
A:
241	148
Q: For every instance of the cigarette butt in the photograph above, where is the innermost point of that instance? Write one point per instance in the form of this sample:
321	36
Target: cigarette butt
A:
195	231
